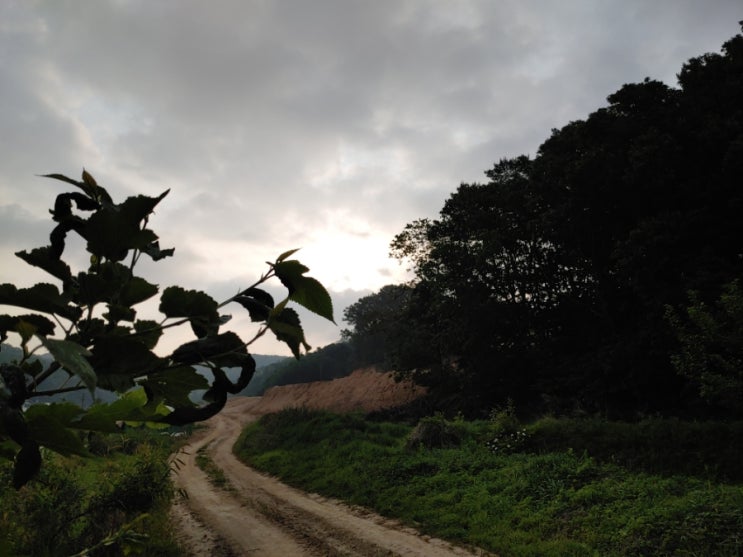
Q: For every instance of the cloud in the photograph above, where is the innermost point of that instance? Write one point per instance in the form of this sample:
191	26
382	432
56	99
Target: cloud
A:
323	125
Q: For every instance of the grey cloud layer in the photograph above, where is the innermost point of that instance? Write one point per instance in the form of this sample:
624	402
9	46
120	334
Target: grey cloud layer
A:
269	119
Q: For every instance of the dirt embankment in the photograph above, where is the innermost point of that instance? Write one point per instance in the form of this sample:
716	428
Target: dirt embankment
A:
364	390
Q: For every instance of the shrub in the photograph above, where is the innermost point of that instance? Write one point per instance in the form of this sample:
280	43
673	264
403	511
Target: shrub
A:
436	432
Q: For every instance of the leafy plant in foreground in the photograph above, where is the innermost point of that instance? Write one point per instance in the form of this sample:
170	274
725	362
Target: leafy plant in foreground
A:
103	343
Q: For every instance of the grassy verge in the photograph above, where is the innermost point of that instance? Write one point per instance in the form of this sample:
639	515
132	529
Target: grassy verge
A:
493	486
111	505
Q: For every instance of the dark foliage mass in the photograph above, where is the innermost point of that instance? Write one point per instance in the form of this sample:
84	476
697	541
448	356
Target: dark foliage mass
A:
105	346
597	275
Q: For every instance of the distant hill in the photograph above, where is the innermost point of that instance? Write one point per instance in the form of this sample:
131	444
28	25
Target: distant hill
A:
331	362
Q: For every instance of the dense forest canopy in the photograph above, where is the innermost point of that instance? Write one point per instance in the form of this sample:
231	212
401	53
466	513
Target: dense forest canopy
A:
576	278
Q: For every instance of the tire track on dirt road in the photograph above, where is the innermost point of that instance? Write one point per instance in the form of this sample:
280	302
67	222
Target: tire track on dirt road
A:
264	517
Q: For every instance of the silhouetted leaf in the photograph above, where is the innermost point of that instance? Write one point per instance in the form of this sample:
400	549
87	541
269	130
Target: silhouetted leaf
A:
103	417
204	349
200	308
120	360
40	297
258	303
174	386
13	323
72	357
287	328
49	426
148	332
286	254
43	259
27	464
305	291
154	251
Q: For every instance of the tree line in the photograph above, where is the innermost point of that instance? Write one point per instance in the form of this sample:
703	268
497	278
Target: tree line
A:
598	275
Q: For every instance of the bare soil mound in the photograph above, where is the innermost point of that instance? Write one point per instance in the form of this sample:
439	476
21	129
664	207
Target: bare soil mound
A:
364	390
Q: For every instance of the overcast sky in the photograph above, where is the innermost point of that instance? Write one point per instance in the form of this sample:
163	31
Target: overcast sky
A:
325	125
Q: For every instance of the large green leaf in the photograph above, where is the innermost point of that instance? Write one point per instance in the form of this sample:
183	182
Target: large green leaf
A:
103	417
72	357
49	426
305	291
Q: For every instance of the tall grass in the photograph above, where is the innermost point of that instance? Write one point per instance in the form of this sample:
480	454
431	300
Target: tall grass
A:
107	506
512	499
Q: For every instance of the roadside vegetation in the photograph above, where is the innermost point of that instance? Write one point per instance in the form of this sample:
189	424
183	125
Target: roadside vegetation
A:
551	487
114	503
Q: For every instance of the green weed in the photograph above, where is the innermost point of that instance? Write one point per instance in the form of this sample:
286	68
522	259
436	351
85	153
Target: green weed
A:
536	500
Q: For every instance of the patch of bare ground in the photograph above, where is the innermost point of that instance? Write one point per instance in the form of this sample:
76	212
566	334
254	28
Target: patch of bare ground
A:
264	517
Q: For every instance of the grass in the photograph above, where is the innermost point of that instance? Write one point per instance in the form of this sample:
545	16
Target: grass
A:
540	496
109	505
214	473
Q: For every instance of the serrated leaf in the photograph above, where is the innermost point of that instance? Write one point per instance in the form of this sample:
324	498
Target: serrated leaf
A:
120	360
312	295
287	328
118	312
26	325
259	303
111	235
306	291
148	332
72	357
204	349
137	290
289	273
93	288
42	297
43	259
198	307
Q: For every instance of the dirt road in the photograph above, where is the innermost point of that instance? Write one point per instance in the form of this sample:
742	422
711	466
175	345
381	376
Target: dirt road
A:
261	516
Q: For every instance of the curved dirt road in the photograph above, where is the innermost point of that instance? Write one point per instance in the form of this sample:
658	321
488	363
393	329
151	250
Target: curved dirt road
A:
261	516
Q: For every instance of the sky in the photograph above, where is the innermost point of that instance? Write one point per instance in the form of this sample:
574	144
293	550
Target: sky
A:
325	125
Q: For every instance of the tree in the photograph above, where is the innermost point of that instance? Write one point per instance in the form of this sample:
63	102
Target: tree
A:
103	344
488	283
551	280
375	320
710	351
